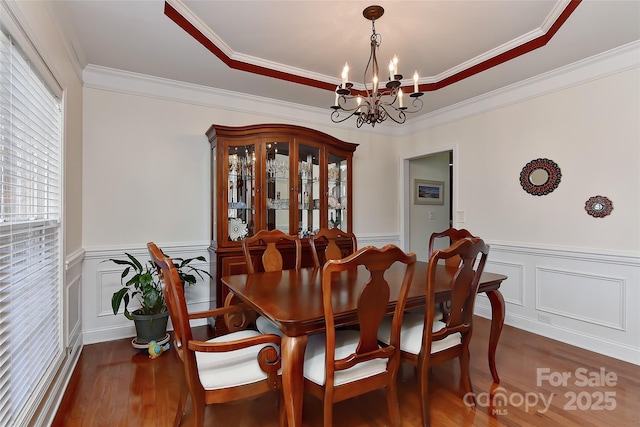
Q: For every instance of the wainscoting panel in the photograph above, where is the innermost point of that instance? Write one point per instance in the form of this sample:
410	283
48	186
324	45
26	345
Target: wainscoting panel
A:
101	279
72	300
107	282
581	297
602	301
512	289
72	332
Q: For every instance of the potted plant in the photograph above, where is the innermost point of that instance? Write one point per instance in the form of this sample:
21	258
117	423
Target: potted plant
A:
144	285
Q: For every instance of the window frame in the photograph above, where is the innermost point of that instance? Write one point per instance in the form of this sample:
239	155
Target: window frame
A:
53	353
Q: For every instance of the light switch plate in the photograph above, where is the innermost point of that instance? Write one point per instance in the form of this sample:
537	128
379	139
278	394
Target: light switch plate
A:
459	216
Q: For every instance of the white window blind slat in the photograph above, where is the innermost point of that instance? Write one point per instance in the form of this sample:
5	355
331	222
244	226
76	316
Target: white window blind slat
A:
30	240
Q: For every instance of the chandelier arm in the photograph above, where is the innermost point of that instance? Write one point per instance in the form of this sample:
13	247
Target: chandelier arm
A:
417	102
393	94
335	116
342	103
401	115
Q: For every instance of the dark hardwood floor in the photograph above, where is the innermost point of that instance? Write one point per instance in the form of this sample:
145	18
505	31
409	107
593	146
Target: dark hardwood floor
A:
115	385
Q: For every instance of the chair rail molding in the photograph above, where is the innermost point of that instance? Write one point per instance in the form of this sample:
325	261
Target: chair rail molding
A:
631	259
378	240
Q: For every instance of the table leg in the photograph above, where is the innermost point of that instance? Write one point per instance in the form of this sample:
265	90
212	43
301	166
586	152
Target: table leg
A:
292	377
497	321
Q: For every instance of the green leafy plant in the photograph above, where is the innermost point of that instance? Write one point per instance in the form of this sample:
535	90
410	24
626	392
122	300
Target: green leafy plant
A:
144	285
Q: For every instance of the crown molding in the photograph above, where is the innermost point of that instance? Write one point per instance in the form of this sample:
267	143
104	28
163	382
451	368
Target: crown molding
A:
110	79
191	23
615	61
611	62
555	16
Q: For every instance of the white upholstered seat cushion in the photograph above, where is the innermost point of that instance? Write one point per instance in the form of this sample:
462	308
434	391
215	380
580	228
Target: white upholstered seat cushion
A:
266	326
231	368
437	315
411	334
346	343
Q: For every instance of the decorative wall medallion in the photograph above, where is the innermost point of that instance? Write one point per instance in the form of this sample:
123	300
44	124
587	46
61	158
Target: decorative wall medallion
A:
598	206
540	177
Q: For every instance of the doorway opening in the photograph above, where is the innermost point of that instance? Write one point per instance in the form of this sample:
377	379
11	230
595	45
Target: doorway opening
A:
421	218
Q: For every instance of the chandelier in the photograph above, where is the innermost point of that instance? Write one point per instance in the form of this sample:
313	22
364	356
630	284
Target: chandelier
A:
378	104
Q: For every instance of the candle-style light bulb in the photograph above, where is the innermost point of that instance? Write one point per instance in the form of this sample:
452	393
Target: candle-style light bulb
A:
400	97
375	84
395	65
359	100
345	75
391	73
336	101
415	82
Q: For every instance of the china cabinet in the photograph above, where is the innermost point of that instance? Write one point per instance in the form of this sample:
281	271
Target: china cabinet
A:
274	176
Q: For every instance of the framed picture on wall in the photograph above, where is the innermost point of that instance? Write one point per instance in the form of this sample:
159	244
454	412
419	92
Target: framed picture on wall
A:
428	192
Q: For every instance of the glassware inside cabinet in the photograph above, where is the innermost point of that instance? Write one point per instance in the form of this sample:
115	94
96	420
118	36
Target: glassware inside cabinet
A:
308	190
278	185
337	191
241	184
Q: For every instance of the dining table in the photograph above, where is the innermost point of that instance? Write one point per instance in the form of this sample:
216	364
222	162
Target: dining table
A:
292	300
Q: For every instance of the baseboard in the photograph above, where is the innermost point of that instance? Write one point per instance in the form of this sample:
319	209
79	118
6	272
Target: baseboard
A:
596	344
120	332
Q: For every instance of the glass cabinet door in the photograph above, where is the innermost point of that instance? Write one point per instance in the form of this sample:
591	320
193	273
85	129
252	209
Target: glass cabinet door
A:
309	191
337	197
279	191
241	194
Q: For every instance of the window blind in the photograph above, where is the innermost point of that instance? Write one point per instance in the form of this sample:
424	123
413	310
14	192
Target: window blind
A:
30	238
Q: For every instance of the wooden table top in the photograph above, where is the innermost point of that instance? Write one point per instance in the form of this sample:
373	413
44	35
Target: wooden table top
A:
293	299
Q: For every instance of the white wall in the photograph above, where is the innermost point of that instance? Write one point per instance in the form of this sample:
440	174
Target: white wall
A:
134	142
591	131
139	131
571	276
136	147
146	178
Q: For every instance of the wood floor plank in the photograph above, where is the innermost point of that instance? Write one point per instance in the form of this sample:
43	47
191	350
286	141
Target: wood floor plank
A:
115	385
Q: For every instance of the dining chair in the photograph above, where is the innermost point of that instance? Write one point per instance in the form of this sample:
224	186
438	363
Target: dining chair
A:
425	342
331	243
268	244
262	252
228	368
345	363
453	234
